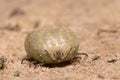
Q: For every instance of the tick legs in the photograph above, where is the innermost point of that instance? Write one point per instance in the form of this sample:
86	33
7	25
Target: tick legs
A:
47	53
68	53
25	58
36	63
78	58
80	54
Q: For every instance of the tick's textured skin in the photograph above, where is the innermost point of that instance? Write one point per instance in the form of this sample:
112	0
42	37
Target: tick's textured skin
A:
51	46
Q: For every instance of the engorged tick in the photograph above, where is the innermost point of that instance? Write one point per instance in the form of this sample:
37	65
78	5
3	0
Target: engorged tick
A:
52	45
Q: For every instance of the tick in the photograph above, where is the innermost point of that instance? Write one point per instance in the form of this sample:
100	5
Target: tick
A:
52	45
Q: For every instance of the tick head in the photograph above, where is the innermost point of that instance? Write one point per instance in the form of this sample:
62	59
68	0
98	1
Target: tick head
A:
58	56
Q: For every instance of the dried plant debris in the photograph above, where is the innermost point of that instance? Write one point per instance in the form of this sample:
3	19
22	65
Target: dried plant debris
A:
17	11
112	61
2	62
106	31
95	57
16	73
11	27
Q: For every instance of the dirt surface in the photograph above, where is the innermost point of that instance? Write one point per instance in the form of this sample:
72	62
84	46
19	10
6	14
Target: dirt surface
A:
96	22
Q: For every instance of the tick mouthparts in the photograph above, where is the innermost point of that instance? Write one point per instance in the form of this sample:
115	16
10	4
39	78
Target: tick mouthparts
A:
58	53
58	56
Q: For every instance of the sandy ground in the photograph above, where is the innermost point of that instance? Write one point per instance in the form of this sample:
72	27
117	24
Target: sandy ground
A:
96	22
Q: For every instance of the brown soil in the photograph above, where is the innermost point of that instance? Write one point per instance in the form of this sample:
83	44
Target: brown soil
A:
96	22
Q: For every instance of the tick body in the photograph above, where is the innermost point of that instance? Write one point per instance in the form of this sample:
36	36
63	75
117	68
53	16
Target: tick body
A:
53	45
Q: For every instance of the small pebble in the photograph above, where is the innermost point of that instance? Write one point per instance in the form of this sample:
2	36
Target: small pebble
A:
2	61
16	73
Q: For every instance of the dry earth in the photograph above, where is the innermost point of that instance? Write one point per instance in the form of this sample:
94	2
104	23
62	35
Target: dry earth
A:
96	22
